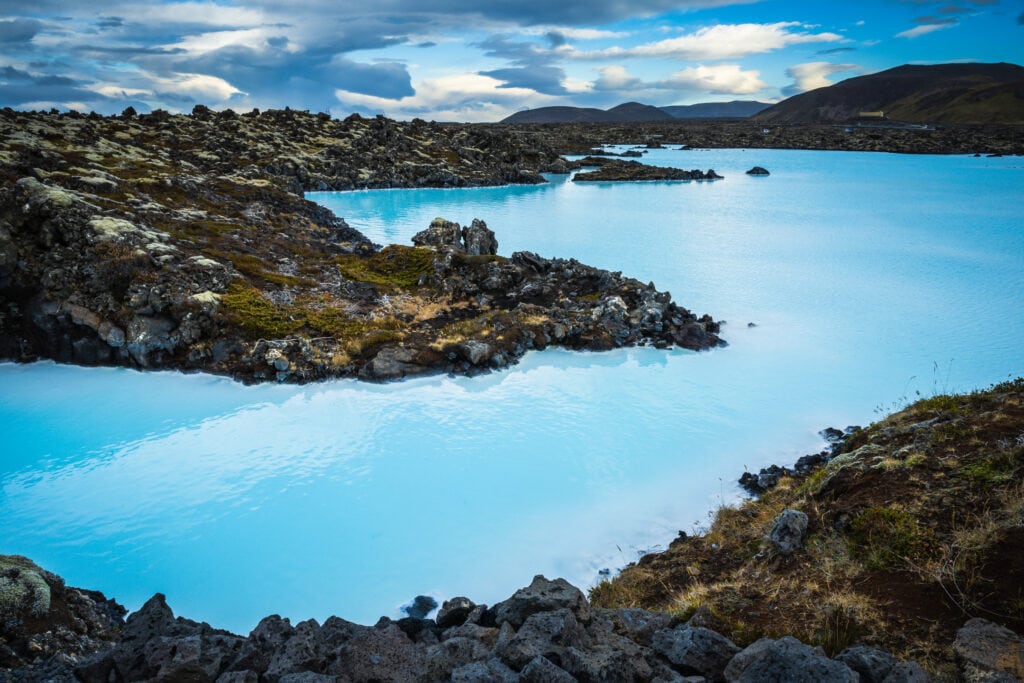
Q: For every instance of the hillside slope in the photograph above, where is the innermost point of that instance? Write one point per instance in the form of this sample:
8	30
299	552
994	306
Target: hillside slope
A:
913	525
941	93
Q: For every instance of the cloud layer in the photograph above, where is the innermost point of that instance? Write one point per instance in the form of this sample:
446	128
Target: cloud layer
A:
439	58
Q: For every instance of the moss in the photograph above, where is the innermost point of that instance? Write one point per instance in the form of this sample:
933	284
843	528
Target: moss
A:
255	267
942	404
395	266
996	469
259	317
883	537
22	589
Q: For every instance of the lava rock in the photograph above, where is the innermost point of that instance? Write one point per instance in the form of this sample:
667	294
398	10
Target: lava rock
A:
787	534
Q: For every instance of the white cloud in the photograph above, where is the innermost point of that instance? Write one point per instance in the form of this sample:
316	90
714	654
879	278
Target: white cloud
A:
199	86
575	33
724	41
728	79
206	13
461	97
254	38
615	77
811	75
118	92
923	29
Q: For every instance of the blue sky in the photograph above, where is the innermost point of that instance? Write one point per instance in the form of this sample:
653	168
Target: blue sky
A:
471	61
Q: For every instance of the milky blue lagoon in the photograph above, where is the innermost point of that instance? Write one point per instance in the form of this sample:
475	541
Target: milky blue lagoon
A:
870	277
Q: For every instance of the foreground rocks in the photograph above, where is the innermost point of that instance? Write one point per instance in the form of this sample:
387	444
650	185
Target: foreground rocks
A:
184	242
546	631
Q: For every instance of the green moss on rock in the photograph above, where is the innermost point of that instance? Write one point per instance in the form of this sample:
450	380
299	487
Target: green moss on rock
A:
23	590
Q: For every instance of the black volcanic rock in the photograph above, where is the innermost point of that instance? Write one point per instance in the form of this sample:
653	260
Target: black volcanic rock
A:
546	631
188	245
617	170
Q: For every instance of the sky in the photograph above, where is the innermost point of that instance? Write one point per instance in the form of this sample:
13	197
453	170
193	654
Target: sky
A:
454	60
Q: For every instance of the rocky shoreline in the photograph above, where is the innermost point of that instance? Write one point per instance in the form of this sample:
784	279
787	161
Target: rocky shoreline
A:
581	138
547	631
184	242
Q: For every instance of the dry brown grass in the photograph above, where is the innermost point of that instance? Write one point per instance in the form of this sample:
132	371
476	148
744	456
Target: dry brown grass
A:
906	540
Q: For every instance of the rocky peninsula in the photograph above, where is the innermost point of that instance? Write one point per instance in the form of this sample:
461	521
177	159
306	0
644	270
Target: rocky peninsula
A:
618	170
893	556
184	242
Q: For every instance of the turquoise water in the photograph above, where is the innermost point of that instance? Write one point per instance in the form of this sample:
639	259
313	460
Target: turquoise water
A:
870	278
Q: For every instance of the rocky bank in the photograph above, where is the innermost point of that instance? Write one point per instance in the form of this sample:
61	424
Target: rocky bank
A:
894	536
184	242
545	632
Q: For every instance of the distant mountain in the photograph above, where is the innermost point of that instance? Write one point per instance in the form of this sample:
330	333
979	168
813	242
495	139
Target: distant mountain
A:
940	93
635	111
737	109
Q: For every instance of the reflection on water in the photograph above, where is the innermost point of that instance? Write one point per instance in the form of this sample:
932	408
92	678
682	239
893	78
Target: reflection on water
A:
348	498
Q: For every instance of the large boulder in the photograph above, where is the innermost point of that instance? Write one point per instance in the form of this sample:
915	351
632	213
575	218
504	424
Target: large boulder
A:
787	535
695	650
454	612
478	239
543	634
989	652
441	234
873	664
542	595
786	659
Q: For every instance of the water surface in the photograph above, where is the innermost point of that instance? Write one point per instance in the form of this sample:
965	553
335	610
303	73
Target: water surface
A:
870	278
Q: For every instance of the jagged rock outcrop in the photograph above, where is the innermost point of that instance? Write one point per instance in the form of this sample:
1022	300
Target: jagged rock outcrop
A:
546	631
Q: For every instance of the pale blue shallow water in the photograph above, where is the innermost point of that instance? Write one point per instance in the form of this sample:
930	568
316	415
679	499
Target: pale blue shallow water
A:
871	277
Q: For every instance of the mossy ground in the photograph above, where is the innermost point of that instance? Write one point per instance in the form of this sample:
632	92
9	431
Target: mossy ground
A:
916	528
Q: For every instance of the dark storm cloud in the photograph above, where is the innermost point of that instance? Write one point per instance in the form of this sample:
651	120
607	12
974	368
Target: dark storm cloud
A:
123	51
522	13
543	79
24	88
522	53
387	79
556	38
19	30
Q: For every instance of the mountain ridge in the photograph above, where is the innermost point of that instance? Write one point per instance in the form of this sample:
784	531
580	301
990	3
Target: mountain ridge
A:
637	111
973	93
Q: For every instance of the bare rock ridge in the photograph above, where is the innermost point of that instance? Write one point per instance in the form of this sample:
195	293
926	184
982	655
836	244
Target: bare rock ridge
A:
184	242
546	631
